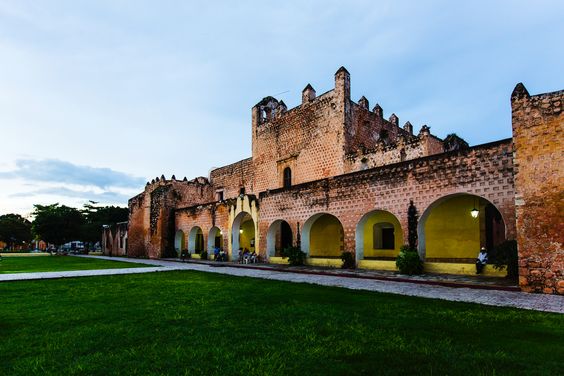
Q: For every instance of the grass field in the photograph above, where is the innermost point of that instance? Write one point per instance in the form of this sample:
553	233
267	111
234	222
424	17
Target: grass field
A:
59	263
192	323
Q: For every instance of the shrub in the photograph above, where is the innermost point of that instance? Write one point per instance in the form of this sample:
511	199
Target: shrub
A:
295	255
348	260
408	261
504	256
204	255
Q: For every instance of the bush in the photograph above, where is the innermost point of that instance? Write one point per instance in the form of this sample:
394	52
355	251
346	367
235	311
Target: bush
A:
295	256
408	261
348	260
504	256
204	255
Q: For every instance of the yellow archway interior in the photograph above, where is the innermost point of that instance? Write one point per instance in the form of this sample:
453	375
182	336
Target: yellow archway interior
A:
326	237
372	248
450	230
247	236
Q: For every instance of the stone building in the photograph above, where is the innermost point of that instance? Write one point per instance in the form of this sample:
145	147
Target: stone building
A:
332	175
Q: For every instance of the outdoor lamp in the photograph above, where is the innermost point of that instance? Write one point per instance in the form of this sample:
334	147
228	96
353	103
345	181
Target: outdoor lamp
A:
474	212
240	231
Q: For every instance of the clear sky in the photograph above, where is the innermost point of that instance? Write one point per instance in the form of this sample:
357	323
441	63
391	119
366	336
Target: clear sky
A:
97	97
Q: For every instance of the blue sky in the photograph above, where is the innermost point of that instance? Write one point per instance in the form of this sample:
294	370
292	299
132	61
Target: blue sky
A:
98	97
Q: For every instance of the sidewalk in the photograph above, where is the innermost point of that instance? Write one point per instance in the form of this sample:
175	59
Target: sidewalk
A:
421	288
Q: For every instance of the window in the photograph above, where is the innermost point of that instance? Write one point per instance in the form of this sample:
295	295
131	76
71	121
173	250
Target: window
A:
287	177
219	195
241	191
384	237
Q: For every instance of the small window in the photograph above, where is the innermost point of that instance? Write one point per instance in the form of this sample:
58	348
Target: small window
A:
241	191
219	195
287	177
384	237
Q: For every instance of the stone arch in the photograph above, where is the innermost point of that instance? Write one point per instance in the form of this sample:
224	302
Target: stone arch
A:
215	239
447	232
323	236
196	240
370	232
278	237
179	241
243	234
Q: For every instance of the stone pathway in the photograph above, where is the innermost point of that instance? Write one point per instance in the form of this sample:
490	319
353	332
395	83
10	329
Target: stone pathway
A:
538	302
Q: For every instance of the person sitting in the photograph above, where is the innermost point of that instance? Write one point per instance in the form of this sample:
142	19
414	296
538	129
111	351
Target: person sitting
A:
481	260
246	256
253	257
222	255
216	253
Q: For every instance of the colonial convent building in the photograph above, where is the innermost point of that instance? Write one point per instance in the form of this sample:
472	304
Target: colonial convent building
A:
333	175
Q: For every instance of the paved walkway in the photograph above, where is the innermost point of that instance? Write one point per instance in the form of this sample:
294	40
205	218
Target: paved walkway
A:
539	302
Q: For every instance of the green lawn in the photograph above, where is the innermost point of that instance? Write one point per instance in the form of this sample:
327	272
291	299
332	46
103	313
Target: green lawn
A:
192	323
59	263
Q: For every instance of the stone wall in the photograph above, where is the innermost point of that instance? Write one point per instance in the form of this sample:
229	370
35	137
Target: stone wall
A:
151	213
485	171
231	178
215	214
538	129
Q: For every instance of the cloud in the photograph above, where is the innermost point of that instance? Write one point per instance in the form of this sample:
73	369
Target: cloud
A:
57	171
105	197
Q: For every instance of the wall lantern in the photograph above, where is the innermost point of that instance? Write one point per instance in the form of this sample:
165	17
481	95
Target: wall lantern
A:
240	231
474	212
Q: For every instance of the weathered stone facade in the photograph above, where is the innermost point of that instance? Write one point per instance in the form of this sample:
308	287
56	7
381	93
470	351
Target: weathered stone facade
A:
334	161
538	131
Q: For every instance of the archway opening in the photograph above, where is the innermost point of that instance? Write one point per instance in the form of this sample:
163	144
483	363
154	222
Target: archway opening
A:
278	237
242	234
454	228
179	242
379	236
323	236
196	240
215	239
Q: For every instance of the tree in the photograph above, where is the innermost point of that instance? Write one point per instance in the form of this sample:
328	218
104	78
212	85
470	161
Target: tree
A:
454	142
57	224
97	216
412	219
14	229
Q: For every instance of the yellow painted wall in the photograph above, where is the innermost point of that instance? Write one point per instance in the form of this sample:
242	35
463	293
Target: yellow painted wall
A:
377	265
377	217
333	263
325	237
248	228
463	269
450	230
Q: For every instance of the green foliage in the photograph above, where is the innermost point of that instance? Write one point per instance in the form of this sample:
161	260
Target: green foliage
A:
204	255
454	142
505	256
32	264
97	216
14	229
348	260
408	261
57	224
295	256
